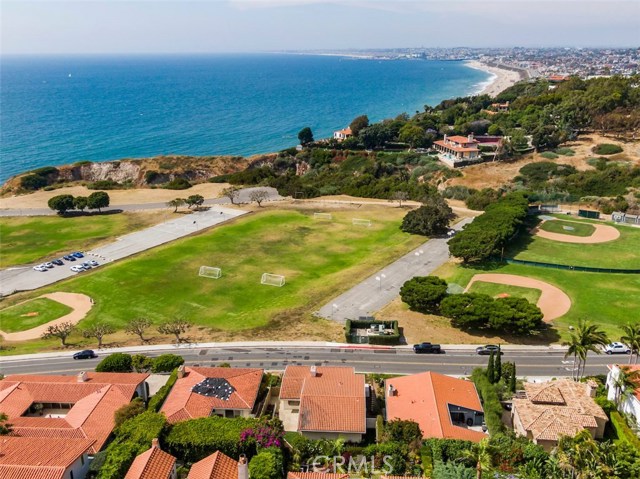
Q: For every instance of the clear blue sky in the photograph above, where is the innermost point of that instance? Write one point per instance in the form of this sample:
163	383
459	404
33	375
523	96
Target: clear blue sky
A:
88	26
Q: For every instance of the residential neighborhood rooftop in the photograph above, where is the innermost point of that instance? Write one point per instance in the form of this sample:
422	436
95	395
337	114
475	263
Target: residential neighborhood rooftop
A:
154	463
215	466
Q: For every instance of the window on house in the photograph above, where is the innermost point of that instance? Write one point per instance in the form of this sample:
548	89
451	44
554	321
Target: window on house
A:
294	403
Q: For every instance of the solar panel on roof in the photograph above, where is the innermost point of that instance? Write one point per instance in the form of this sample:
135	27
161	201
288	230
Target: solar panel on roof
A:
214	387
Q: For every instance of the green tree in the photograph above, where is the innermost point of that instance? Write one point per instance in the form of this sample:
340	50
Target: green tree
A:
305	136
5	427
80	203
98	331
482	456
138	326
424	293
412	134
432	218
403	431
61	204
512	380
266	465
631	338
177	327
166	363
128	411
98	200
586	337
626	383
115	363
358	124
141	363
497	366
176	203
194	200
469	310
491	372
61	331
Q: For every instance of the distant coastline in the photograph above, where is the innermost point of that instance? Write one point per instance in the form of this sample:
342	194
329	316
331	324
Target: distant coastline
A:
501	78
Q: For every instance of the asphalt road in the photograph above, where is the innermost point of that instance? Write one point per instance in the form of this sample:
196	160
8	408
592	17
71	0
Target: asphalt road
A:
27	279
530	363
381	288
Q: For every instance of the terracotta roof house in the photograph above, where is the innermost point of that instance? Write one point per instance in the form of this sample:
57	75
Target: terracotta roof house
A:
154	463
443	406
323	402
316	475
204	392
629	403
456	149
343	134
68	407
556	408
43	458
219	466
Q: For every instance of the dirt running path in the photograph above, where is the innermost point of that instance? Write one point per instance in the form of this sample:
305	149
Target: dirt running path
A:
80	303
602	234
553	301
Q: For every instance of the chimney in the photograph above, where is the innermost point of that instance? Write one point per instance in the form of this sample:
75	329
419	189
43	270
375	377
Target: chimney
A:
470	138
243	467
314	371
155	443
445	138
181	371
82	377
392	390
591	387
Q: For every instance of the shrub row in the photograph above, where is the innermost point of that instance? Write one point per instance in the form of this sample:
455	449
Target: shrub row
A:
490	401
124	363
489	232
623	431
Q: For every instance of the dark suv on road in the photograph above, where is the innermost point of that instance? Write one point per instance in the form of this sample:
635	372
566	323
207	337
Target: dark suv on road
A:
86	354
427	348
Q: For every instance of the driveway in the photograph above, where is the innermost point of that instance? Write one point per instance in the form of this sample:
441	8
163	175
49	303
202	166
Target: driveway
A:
384	286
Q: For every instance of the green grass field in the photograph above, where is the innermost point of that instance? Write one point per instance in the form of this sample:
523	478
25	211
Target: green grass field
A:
494	290
21	316
610	300
32	239
621	253
575	229
319	259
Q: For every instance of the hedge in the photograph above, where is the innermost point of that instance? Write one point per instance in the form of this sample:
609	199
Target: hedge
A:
155	403
196	439
166	362
133	437
115	363
623	431
490	401
267	464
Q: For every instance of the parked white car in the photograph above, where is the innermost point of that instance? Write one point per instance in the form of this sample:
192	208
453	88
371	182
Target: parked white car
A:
40	268
47	265
617	348
77	269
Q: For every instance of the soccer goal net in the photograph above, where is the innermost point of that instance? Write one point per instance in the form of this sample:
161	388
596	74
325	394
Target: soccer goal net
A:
323	216
272	279
210	272
360	222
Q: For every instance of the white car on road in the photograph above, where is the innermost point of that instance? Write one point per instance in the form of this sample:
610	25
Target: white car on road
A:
77	269
40	268
617	348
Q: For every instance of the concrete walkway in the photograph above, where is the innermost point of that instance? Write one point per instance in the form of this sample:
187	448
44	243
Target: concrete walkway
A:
382	287
26	278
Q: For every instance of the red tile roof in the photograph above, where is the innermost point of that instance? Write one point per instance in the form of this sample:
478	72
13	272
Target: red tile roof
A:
154	463
425	399
94	403
38	458
183	404
446	144
215	466
316	475
332	401
631	368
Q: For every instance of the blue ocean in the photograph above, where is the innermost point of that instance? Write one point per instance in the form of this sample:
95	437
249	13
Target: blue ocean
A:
59	110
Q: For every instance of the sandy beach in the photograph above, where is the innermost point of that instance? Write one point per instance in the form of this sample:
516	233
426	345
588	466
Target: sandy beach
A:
502	78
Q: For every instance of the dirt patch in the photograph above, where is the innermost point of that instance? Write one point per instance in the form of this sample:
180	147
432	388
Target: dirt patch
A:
30	315
602	234
553	302
503	295
80	303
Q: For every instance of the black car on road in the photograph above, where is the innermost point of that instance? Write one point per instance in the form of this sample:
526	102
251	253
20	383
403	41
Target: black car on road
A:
427	348
86	354
488	349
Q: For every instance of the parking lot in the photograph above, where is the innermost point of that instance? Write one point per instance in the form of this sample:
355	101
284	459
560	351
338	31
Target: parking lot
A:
25	278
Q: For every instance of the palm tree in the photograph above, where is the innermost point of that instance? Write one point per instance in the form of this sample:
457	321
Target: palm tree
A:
576	350
587	337
482	454
632	339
